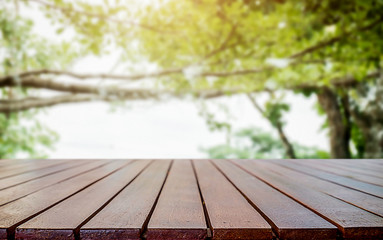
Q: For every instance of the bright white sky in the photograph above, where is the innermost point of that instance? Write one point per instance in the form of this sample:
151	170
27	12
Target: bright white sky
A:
170	129
167	130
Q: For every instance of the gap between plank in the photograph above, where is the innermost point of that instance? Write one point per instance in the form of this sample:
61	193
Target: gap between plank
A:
355	205
206	214
53	165
312	166
342	167
269	221
312	175
11	230
340	235
144	228
60	170
78	174
338	185
76	231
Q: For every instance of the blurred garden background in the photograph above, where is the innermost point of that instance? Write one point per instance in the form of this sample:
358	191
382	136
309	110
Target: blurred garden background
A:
191	79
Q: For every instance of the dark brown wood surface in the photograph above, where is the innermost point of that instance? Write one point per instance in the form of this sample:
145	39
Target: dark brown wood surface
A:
289	219
179	213
335	169
191	199
362	200
29	176
13	193
21	210
353	222
26	167
231	216
344	181
74	210
126	216
362	168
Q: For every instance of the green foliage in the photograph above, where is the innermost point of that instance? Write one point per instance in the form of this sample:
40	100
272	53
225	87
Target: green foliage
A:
229	36
274	112
229	46
224	36
22	136
358	140
254	143
22	50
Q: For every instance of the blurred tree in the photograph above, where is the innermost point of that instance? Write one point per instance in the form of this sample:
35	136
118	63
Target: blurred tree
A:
273	113
253	143
20	134
211	48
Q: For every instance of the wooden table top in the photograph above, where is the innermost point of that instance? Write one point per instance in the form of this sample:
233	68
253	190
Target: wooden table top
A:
191	199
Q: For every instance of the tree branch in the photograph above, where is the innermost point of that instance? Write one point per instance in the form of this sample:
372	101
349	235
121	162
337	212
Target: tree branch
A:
16	105
7	106
224	44
286	143
91	76
334	40
86	92
106	91
35	82
345	82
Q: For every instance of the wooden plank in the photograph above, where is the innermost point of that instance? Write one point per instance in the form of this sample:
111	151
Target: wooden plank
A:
344	181
26	163
362	200
125	217
374	161
353	222
19	191
28	167
231	216
179	212
335	169
71	213
17	212
289	219
361	166
12	162
29	176
353	168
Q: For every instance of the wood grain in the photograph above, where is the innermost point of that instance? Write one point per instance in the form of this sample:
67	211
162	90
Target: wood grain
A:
17	212
179	212
359	166
198	199
344	181
289	219
353	222
29	176
231	216
28	167
362	200
22	190
125	216
74	210
337	170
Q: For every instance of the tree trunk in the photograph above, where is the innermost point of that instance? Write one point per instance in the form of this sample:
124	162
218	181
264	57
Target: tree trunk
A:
369	118
339	129
286	143
290	153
